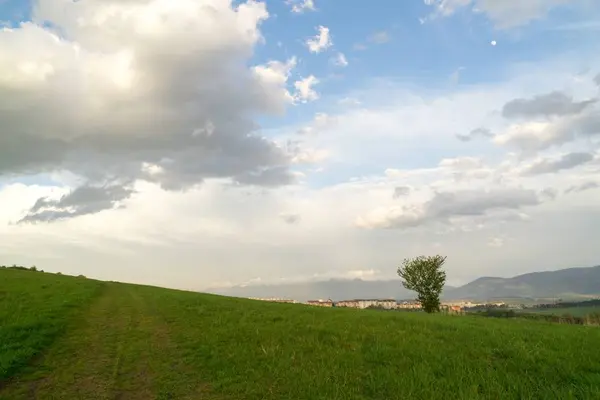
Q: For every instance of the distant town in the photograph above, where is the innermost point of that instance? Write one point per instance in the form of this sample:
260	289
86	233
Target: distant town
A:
389	304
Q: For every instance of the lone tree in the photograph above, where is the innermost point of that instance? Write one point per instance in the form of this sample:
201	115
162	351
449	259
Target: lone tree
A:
425	276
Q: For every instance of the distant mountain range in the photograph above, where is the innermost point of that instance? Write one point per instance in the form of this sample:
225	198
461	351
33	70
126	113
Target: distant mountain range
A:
564	283
335	289
569	283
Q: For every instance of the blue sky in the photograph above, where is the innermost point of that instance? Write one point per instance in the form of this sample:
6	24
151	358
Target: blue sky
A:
437	55
429	51
419	54
190	142
422	54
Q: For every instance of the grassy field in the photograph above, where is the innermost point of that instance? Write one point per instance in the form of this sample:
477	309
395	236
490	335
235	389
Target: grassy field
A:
118	341
35	308
574	311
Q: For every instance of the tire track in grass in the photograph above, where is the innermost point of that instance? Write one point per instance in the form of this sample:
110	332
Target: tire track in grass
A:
121	350
81	364
151	364
163	364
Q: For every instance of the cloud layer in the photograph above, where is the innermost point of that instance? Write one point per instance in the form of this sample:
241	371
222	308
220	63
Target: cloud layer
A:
120	89
504	14
189	143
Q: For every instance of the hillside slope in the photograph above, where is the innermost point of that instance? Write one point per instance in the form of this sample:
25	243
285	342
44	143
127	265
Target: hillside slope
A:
35	308
138	342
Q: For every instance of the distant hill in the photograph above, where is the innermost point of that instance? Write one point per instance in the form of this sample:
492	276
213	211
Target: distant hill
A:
565	283
335	289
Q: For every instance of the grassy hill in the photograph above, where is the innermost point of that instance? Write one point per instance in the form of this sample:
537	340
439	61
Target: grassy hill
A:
72	338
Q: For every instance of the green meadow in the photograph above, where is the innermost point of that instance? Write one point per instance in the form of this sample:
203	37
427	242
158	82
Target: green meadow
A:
74	338
574	311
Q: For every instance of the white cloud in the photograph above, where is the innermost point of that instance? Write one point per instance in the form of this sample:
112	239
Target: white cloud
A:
551	165
496	242
553	104
340	60
540	135
551	119
400	191
379	37
277	73
310	156
290	218
304	89
393	162
361	274
349	101
127	84
322	122
582	187
474	134
301	6
444	206
321	41
447	7
504	14
590	25
461	163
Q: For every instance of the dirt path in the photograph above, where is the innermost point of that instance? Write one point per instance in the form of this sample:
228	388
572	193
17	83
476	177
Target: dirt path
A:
121	349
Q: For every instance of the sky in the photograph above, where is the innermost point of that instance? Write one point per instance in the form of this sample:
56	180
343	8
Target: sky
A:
210	143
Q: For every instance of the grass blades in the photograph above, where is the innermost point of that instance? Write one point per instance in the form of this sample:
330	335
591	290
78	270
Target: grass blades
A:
139	342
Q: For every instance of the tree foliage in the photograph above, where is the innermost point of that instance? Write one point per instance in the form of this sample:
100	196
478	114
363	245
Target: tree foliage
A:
424	275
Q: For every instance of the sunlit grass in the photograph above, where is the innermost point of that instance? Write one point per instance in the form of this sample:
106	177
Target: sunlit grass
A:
574	311
34	309
144	342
